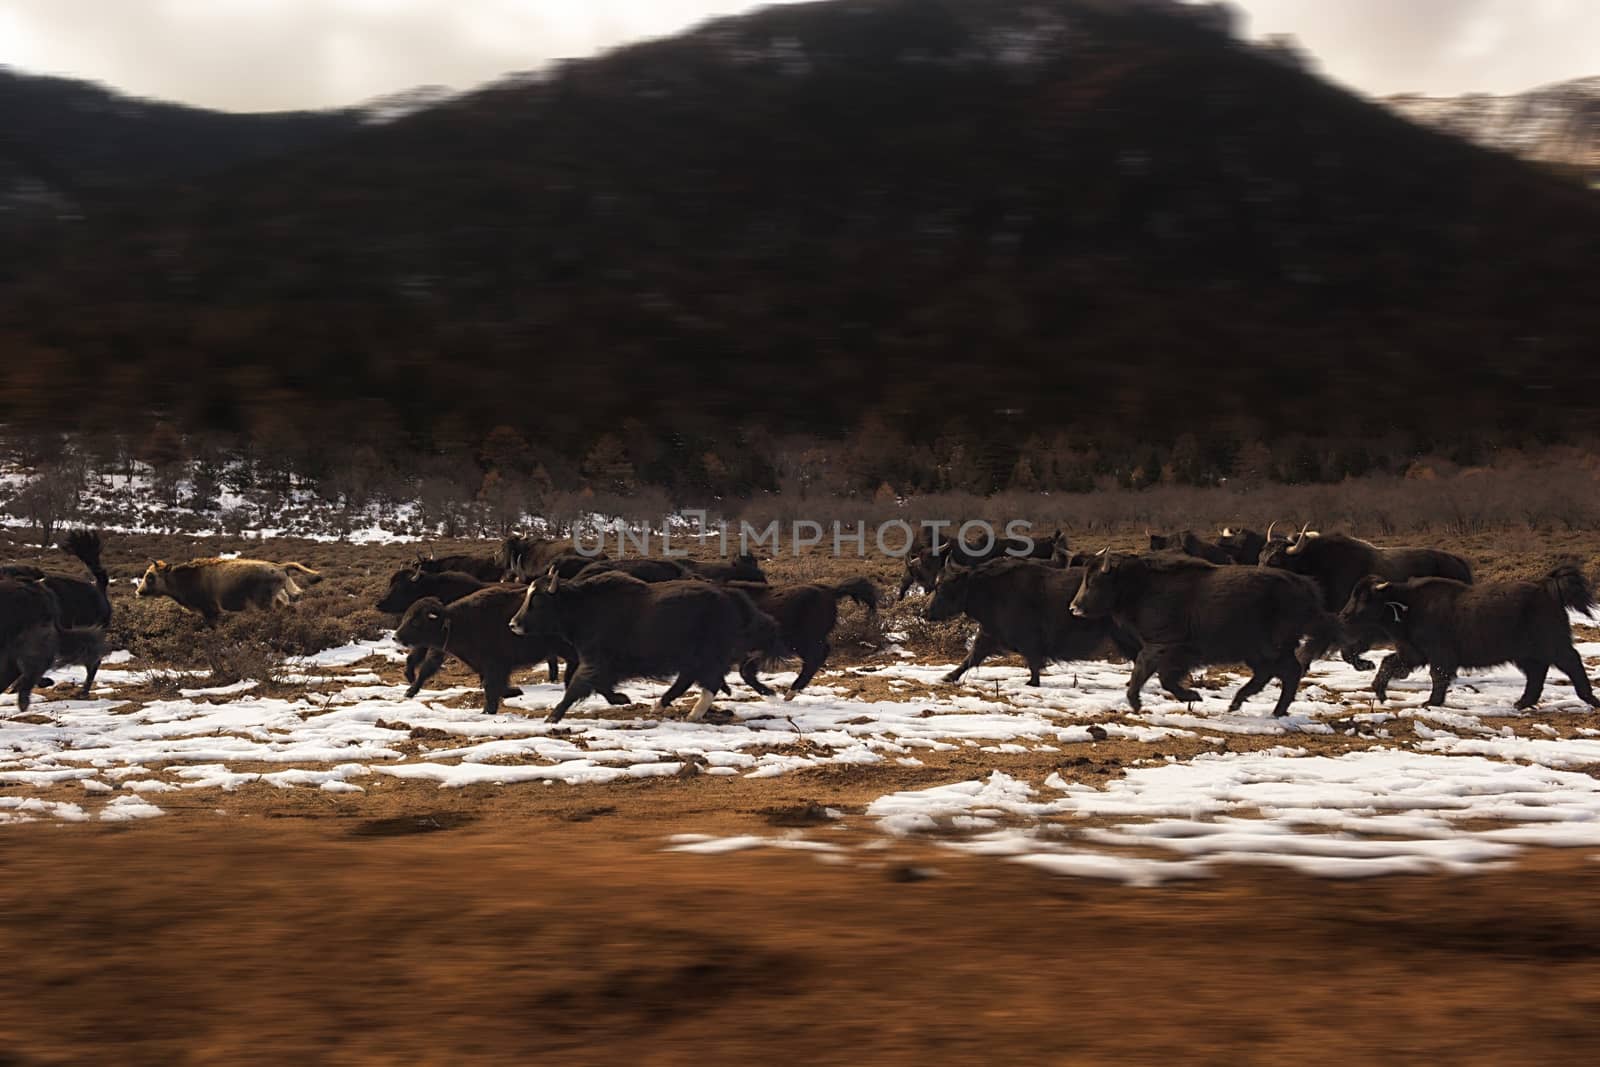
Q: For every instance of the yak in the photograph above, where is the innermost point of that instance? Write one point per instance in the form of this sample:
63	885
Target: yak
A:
926	560
82	603
806	615
623	627
1190	544
1023	606
522	559
644	569
1447	625
484	568
33	639
1243	546
475	629
1188	613
409	585
1336	563
742	568
213	586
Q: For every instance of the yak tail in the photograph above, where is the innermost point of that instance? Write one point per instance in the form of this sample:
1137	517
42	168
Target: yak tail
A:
311	576
1324	632
1571	589
85	544
861	590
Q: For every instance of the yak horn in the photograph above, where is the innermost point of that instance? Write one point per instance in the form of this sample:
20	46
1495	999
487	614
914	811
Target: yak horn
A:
1270	527
1299	541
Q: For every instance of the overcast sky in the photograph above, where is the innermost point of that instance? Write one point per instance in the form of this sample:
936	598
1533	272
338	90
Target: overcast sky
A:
252	55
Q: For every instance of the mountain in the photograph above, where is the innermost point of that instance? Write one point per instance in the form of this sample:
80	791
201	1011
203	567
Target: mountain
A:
991	216
64	142
1557	124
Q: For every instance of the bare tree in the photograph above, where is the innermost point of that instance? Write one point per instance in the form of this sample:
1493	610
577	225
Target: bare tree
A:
49	499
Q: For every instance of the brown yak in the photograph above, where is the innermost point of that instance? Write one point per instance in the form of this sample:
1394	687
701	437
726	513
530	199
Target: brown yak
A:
213	586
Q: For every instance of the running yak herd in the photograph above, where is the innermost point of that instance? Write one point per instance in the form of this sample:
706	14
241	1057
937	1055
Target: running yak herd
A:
1272	603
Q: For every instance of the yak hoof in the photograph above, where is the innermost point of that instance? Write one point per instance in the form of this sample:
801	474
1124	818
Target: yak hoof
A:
412	691
1361	663
952	678
790	694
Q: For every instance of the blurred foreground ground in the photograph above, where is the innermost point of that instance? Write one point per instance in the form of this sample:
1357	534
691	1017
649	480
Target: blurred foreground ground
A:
437	938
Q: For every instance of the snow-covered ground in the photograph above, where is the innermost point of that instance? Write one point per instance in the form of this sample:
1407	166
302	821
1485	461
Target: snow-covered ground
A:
1417	789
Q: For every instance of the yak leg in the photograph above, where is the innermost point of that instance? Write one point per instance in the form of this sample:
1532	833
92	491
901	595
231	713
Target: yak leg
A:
1534	672
1173	669
747	671
810	664
712	680
430	665
1356	640
1442	675
495	683
1289	674
90	670
553	665
1260	675
414	660
1143	668
1570	664
580	685
680	685
983	646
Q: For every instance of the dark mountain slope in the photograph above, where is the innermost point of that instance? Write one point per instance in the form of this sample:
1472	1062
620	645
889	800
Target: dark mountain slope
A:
79	138
1104	215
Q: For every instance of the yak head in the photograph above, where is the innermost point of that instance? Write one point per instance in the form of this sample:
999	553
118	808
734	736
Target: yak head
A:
537	615
1243	545
405	589
512	556
1374	600
424	625
949	593
1097	596
154	582
1286	553
922	568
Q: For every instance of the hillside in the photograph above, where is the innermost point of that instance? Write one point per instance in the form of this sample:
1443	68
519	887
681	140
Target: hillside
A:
64	141
1558	124
999	215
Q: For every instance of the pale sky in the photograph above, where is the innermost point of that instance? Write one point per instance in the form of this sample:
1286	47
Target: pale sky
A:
256	55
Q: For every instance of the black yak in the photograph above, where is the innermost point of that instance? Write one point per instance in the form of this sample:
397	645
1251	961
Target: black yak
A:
1336	563
1190	544
33	639
926	560
476	630
411	584
1448	625
1024	606
1188	613
622	627
484	568
806	616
